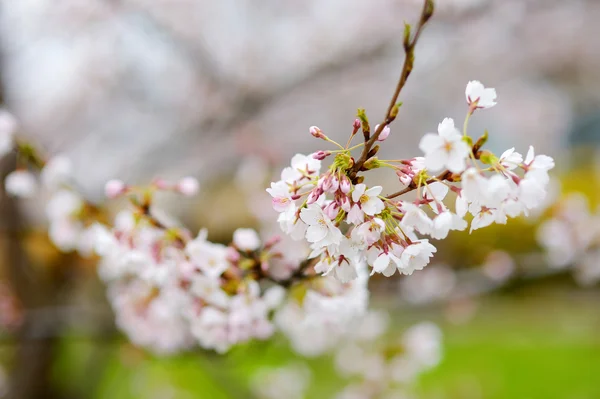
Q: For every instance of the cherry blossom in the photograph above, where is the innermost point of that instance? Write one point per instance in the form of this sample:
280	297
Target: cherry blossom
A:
510	159
114	188
188	186
21	183
367	200
57	172
416	256
211	258
282	199
246	239
445	149
321	231
478	96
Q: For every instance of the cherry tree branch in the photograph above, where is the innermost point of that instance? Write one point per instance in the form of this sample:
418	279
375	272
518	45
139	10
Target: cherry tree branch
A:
412	186
392	110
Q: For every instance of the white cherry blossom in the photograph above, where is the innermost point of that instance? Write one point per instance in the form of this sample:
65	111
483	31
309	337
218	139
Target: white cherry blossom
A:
57	172
485	216
282	198
415	218
188	186
510	159
321	231
416	256
444	222
367	199
21	183
446	149
385	262
474	186
478	96
369	232
538	166
246	239
211	258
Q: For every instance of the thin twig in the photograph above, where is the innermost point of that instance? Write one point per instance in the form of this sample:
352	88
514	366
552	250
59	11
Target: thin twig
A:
442	176
407	67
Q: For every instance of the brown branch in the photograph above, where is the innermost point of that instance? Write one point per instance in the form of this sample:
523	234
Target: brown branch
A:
390	115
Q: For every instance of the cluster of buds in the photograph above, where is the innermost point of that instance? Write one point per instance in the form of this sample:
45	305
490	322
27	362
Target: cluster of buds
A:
349	224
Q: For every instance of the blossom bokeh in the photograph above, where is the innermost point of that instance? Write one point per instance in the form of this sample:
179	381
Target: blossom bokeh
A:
138	92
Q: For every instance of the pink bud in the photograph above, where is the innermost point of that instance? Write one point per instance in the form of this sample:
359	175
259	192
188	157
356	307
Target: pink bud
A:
187	269
345	203
114	188
188	186
327	183
232	255
356	125
345	185
314	195
335	184
271	242
316	132
321	155
161	184
384	133
331	210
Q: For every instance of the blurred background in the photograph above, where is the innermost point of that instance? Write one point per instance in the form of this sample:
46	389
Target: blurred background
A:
221	90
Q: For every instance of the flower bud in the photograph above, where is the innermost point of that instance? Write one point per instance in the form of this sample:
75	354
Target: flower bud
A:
321	155
161	184
345	203
345	184
327	183
356	125
114	188
21	183
232	255
246	239
335	184
271	242
188	186
372	163
314	195
384	133
316	132
331	210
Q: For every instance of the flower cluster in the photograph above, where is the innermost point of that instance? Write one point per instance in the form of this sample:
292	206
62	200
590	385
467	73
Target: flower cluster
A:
170	290
317	315
290	381
349	224
571	237
378	368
